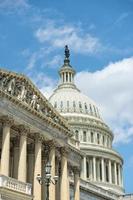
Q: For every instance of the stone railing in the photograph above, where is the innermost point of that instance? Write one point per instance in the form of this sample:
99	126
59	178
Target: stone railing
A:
98	190
14	184
74	143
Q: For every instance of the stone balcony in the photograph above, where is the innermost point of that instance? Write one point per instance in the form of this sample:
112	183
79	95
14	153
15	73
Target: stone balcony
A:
11	185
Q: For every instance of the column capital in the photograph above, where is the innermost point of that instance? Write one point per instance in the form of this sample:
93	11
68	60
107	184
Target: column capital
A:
23	130
64	151
76	170
38	138
50	144
6	120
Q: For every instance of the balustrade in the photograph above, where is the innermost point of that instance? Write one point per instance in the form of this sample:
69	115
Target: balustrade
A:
14	184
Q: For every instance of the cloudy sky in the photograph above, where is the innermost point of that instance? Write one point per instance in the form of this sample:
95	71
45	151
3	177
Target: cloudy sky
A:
99	35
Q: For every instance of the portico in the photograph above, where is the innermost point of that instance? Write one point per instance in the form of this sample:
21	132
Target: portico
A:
29	137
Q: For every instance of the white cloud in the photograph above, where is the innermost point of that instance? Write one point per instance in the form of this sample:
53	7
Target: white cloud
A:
13	3
75	37
43	82
55	62
122	17
111	88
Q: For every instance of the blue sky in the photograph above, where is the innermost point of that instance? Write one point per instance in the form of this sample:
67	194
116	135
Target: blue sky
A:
99	34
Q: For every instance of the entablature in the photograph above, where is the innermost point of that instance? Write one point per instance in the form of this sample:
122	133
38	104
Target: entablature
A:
21	91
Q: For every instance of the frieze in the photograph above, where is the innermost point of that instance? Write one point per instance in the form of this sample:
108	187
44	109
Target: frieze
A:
21	89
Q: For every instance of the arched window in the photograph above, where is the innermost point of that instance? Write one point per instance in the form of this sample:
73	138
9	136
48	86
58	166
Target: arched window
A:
98	138
92	137
67	105
84	136
61	105
76	135
74	106
91	110
86	109
80	106
103	140
95	111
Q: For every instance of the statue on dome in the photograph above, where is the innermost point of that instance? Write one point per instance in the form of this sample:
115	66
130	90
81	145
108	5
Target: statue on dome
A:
67	53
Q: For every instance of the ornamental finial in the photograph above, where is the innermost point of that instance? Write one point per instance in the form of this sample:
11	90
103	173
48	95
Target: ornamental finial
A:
67	53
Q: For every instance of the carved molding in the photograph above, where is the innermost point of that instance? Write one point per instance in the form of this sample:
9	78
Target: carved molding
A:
21	90
6	120
38	138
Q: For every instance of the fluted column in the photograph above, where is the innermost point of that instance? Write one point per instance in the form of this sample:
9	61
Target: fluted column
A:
5	154
103	171
91	169
76	184
15	157
94	168
110	172
64	176
52	162
83	170
22	164
98	170
119	175
37	167
115	173
31	159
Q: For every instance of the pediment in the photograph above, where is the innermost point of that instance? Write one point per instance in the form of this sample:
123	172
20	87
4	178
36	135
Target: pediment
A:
20	89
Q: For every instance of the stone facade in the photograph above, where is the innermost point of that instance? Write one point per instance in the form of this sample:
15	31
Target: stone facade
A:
29	137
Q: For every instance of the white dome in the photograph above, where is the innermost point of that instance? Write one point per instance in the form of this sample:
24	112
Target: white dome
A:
71	101
94	136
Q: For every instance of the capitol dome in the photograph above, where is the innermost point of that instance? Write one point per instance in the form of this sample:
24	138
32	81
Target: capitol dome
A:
68	99
102	165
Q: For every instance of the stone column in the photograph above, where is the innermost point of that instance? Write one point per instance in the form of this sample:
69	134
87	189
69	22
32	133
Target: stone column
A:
5	154
16	157
22	164
83	170
119	175
110	172
76	184
37	167
52	162
115	173
98	170
64	176
58	174
94	168
103	172
30	163
91	169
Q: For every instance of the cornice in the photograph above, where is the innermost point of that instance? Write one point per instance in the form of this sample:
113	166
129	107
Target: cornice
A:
36	103
90	123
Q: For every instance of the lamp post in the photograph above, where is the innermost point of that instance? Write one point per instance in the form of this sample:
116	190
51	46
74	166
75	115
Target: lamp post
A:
47	179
